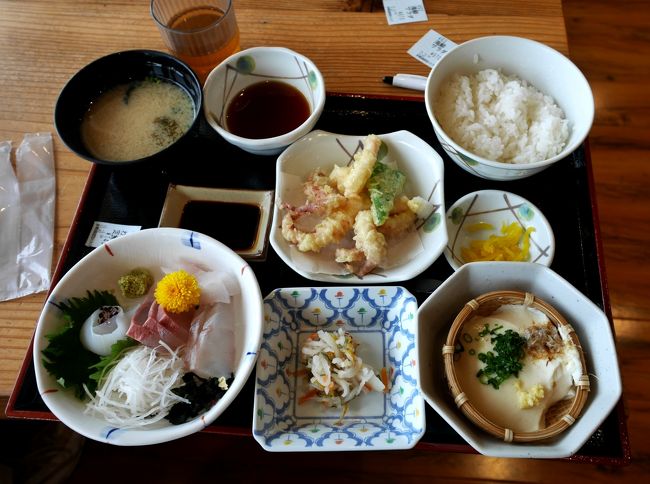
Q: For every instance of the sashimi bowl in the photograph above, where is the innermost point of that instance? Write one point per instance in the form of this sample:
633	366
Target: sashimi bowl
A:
149	337
367	338
359	209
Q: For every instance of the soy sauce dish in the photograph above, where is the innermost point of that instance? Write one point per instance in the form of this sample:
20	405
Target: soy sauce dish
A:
128	107
264	98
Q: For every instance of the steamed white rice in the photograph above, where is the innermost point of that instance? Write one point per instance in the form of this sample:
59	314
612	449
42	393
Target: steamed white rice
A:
501	118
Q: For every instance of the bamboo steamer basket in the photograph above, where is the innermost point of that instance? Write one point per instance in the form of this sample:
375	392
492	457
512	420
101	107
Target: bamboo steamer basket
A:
561	415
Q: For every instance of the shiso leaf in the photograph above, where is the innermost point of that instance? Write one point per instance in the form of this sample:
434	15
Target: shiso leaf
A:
65	358
107	362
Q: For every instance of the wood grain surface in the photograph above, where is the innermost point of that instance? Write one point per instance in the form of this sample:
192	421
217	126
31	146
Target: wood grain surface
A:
43	43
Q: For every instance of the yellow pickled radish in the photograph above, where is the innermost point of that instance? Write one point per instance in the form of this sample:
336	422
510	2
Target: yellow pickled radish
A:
513	245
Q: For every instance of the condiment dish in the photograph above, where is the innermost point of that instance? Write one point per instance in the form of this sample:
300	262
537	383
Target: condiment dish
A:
257	65
494	209
407	258
105	73
196	208
545	68
382	321
152	249
439	310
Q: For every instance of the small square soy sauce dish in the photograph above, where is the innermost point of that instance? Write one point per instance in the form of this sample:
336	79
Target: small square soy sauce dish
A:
382	323
216	211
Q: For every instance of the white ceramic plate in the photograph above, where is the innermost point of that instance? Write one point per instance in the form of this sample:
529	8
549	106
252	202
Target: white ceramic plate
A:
590	323
423	168
496	207
382	320
100	270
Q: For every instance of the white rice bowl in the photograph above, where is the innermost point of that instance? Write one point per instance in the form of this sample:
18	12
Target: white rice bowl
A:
501	117
548	70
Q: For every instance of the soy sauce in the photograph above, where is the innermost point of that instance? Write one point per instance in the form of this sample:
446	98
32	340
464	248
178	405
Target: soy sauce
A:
266	109
233	224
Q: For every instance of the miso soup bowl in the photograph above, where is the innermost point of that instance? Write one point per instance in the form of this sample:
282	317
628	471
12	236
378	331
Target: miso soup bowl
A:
256	65
541	66
112	70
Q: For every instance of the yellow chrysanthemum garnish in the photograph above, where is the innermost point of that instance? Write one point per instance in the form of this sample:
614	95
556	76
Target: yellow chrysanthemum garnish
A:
178	292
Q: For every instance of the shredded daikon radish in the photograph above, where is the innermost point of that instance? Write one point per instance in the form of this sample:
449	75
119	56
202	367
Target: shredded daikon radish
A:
337	373
137	391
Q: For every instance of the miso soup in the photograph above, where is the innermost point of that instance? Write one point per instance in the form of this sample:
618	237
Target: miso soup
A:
136	119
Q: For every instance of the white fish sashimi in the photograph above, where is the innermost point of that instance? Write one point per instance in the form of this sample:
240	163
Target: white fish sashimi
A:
217	286
211	347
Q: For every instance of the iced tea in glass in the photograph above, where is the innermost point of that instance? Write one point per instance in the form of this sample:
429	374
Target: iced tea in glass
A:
200	32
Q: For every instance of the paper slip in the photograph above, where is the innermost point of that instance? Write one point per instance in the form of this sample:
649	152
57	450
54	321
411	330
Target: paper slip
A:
404	11
430	48
104	231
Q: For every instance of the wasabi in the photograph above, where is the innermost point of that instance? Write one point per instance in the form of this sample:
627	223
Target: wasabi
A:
136	283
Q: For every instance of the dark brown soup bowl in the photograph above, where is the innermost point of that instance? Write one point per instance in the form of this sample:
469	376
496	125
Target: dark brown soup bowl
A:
107	72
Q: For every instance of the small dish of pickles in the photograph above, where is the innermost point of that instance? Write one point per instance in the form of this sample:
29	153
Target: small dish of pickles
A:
494	225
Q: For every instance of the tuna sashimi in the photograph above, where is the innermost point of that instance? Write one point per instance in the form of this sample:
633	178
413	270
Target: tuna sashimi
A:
151	324
211	346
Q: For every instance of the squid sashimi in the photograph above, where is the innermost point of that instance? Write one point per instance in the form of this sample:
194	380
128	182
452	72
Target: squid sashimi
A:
210	350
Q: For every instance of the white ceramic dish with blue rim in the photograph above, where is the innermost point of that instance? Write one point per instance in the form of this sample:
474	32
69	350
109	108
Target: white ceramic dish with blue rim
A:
424	172
496	208
100	270
383	321
438	311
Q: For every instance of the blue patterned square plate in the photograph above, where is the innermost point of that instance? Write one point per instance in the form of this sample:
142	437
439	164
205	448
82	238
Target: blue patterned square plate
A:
383	320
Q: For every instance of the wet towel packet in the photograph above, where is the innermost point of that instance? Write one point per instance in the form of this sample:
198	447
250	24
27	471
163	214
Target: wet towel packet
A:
27	201
9	223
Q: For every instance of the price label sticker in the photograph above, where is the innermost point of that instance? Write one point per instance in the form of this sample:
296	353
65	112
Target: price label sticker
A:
105	231
431	47
404	11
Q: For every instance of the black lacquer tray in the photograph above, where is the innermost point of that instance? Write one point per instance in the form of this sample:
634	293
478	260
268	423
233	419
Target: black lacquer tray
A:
134	195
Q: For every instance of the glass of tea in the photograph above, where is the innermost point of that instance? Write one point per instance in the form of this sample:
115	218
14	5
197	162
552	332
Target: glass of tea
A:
200	32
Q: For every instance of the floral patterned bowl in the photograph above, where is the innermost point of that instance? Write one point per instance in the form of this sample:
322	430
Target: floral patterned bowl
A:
254	65
496	208
383	321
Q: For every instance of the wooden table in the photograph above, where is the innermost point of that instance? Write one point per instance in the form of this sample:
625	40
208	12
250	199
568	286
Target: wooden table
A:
43	43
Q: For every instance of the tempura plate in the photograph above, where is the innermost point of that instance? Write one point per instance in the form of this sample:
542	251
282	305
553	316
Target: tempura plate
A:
407	257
